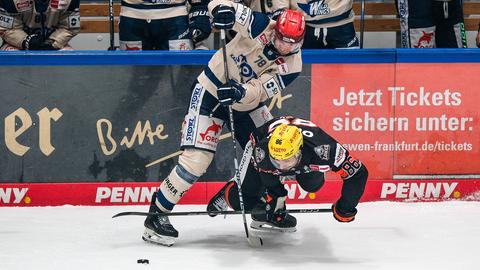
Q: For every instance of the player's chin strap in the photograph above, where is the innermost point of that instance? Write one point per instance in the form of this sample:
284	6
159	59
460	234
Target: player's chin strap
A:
254	241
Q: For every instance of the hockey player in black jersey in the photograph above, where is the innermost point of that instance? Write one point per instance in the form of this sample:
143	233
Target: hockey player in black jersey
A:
293	148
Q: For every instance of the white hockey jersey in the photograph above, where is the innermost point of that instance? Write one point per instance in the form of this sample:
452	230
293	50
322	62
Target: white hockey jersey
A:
251	59
325	13
19	18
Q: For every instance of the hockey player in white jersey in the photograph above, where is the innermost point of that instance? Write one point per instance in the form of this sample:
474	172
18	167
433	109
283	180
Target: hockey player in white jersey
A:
163	25
263	58
39	24
329	22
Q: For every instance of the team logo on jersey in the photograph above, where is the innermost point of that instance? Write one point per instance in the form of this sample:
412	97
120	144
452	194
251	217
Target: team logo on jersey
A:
246	71
315	8
259	154
323	151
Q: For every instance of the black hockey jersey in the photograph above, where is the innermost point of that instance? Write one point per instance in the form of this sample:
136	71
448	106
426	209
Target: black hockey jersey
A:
320	153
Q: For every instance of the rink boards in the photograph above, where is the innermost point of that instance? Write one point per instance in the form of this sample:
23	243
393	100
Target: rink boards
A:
101	128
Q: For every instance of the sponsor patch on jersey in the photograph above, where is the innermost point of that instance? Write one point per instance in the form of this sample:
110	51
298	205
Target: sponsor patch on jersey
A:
6	21
259	154
323	151
282	66
59	4
242	14
340	155
189	133
208	130
262	39
24	5
196	97
317	168
271	87
74	21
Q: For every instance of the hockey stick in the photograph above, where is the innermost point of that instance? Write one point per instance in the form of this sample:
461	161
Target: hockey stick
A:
112	25
362	23
203	213
254	241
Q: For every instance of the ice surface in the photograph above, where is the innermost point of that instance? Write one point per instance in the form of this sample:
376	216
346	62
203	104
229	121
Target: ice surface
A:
385	235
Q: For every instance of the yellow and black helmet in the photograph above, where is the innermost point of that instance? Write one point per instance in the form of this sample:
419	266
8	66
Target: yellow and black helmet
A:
285	142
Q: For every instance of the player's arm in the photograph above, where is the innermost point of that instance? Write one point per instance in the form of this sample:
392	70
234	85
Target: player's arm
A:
246	22
354	175
67	27
11	24
272	81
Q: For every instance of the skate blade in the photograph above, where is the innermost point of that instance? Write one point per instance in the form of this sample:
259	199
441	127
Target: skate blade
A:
262	226
154	238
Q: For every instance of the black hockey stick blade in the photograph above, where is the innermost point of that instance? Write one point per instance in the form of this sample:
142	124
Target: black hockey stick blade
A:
202	213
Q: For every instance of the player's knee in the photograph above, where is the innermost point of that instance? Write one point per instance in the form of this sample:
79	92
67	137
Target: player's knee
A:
195	162
174	187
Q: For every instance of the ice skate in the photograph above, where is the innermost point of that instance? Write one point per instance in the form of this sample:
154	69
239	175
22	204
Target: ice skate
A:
279	222
158	229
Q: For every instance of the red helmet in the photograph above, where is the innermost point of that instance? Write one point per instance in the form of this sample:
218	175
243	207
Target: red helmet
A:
290	26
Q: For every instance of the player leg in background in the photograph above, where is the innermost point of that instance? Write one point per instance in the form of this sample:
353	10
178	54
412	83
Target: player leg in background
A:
417	26
171	34
338	37
314	38
133	34
450	32
342	37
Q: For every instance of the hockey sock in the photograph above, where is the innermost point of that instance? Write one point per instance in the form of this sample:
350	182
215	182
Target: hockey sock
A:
174	187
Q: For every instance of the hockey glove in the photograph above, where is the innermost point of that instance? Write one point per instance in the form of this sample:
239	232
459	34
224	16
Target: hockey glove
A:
223	17
341	215
36	42
270	209
230	93
199	23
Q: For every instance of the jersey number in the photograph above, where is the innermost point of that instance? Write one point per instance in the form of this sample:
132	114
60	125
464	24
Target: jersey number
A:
296	122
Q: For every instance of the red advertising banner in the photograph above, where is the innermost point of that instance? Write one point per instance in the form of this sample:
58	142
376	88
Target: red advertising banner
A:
135	193
404	121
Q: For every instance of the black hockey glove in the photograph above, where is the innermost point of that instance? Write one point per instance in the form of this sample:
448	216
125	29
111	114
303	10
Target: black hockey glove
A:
36	42
271	208
199	23
341	215
230	92
274	15
223	17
